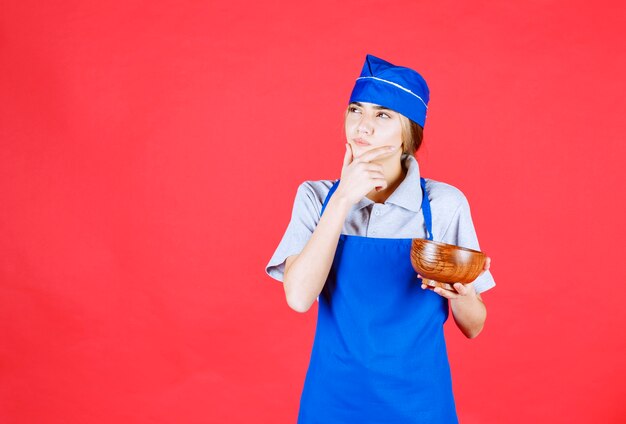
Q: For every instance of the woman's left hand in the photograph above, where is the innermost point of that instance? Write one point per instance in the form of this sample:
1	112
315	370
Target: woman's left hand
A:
461	291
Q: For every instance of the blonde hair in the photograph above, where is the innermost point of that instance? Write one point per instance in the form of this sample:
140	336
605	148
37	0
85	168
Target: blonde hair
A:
412	133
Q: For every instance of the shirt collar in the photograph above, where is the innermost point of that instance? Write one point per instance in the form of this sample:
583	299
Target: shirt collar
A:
409	193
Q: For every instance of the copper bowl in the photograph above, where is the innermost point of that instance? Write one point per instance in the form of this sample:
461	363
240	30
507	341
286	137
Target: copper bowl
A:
442	265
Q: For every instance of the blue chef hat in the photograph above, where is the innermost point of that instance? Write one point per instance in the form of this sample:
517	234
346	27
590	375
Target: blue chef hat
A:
395	87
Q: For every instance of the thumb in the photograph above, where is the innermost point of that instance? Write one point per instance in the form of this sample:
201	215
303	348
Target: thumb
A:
347	158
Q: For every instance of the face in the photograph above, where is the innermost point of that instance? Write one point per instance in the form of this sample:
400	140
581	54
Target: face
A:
369	125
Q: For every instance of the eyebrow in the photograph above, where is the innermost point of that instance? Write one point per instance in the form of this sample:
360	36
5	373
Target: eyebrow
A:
375	107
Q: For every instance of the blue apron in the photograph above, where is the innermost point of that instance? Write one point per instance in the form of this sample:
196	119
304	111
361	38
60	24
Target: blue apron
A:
379	354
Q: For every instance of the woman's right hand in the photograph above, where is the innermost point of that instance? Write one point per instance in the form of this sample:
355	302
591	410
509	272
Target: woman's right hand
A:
360	175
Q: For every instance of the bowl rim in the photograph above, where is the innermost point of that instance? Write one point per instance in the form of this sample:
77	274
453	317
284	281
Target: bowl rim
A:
439	243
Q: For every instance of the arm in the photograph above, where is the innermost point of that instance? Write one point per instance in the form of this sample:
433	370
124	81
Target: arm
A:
306	273
468	309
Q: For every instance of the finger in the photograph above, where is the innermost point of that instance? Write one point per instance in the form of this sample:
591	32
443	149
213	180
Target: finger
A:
347	157
368	167
446	293
377	153
460	289
372	166
445	286
375	174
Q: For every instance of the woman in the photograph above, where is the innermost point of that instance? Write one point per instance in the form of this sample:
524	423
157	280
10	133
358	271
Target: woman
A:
379	351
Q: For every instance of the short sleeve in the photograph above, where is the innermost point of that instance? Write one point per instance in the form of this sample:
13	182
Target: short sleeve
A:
304	218
461	232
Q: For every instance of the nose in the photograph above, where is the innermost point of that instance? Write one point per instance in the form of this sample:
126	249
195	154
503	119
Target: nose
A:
364	125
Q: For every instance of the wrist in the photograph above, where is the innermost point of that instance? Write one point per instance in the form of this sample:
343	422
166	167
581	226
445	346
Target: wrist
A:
339	202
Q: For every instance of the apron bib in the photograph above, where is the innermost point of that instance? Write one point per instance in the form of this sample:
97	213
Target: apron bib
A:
379	354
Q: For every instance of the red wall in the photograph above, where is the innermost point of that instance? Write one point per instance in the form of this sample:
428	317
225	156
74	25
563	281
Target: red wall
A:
150	154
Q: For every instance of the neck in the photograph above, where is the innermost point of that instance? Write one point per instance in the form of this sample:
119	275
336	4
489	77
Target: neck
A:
395	172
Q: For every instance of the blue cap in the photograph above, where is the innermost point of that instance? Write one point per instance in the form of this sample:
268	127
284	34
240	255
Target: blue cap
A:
395	87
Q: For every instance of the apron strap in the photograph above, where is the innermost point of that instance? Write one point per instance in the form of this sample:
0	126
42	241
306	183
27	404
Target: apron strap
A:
330	193
428	221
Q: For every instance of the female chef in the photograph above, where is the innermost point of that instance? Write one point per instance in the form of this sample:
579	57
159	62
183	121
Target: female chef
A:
379	353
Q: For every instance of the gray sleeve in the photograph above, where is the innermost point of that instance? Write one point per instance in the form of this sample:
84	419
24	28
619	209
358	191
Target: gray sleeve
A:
461	232
304	218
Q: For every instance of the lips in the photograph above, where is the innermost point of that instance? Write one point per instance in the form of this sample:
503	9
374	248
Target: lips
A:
360	142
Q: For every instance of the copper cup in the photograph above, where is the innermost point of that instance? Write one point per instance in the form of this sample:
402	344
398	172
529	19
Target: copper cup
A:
442	265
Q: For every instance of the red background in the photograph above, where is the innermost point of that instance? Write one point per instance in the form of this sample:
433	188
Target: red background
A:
150	154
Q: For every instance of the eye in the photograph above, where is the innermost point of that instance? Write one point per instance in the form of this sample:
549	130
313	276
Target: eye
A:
383	113
353	109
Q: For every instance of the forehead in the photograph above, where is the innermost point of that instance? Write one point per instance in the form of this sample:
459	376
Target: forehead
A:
370	106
